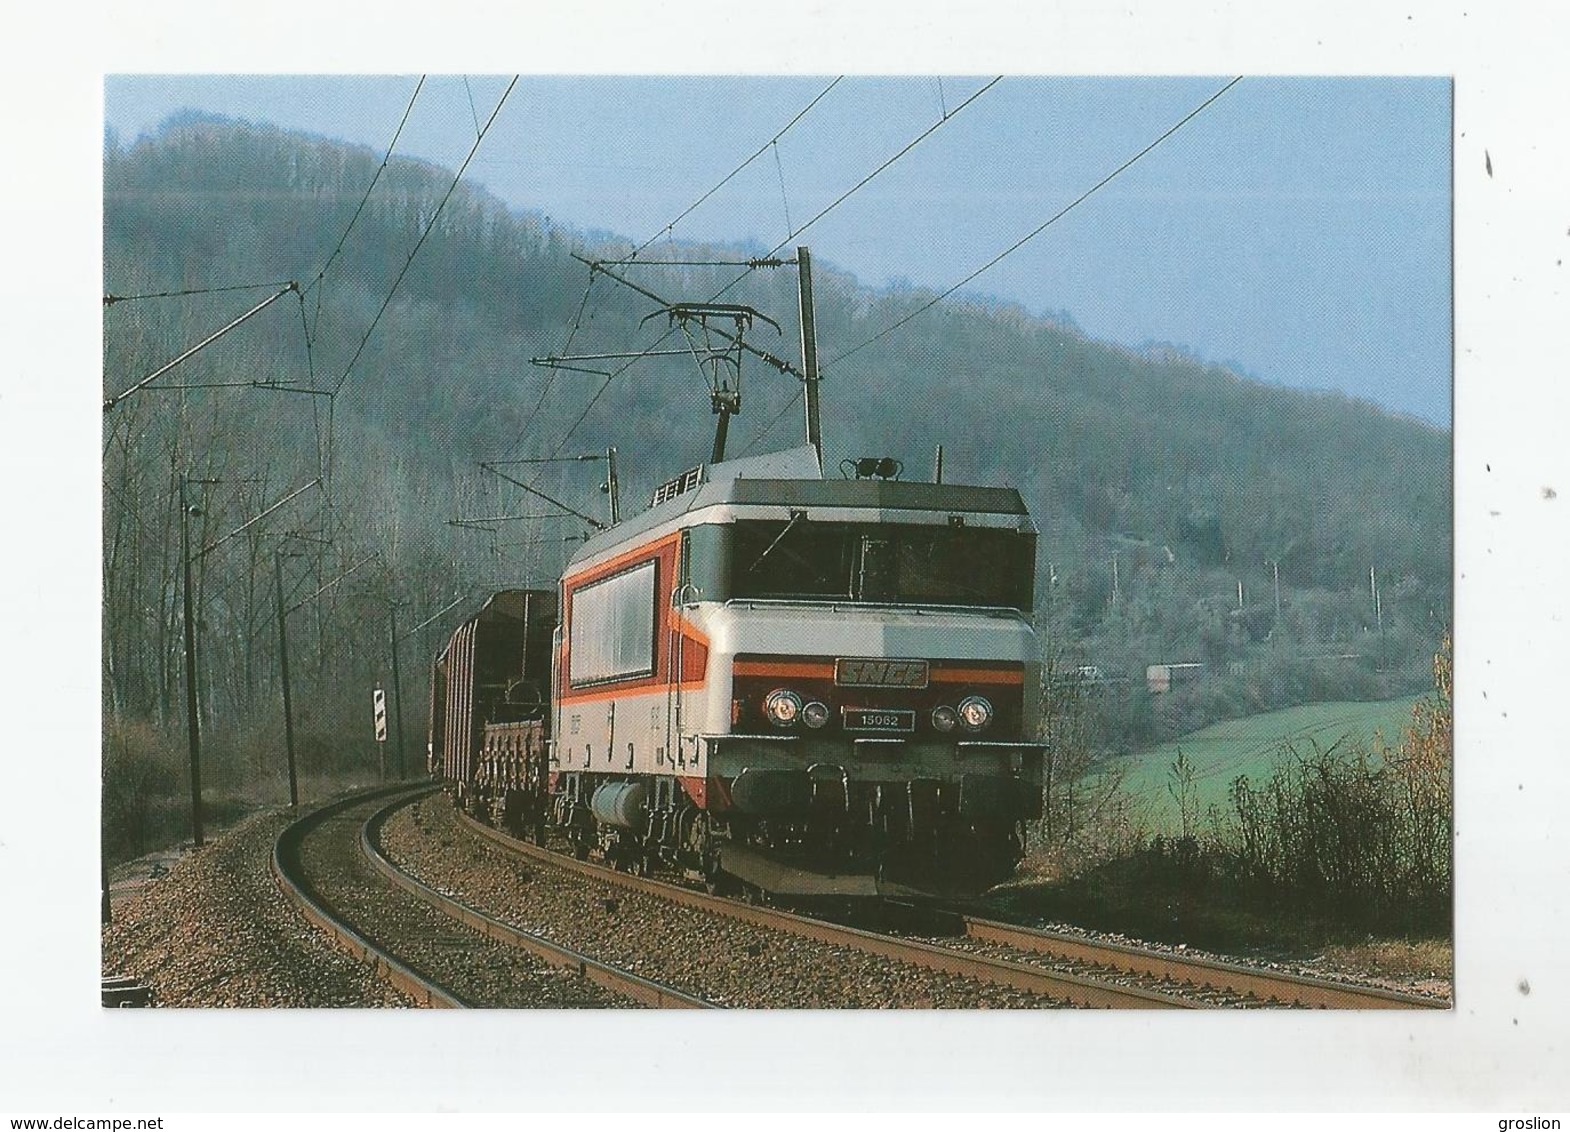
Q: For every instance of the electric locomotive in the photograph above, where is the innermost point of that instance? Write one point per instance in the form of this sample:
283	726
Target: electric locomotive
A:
805	685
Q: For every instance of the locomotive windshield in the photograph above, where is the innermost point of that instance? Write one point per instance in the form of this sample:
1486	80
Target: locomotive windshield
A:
867	562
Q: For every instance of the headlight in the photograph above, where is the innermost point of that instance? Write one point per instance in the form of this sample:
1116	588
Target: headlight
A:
944	718
782	707
815	714
974	713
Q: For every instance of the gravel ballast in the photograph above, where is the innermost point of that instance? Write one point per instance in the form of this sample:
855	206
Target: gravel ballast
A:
216	931
728	962
480	971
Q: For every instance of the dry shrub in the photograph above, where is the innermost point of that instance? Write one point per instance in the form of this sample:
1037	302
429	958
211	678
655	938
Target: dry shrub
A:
1087	817
143	781
1363	830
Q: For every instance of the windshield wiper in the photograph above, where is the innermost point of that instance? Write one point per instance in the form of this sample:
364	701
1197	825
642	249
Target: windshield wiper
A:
796	517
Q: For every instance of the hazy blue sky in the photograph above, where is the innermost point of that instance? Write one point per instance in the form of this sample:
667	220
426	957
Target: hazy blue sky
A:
1299	229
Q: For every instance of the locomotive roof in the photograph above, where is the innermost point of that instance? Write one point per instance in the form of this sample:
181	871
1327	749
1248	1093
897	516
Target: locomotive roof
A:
862	495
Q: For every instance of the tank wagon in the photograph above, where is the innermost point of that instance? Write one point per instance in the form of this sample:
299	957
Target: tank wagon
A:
810	686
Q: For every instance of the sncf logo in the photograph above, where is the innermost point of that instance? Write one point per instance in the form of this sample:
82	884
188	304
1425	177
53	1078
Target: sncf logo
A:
879	673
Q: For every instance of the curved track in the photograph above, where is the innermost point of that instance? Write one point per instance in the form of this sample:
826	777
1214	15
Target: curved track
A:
1065	987
1079	971
292	876
436	949
613	979
1250	985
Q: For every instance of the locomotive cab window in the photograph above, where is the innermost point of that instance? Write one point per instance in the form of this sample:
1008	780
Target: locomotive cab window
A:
880	563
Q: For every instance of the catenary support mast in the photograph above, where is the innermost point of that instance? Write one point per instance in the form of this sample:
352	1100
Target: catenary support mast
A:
809	351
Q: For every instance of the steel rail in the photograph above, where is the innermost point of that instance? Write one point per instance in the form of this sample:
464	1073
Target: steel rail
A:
288	871
1073	989
614	979
1279	987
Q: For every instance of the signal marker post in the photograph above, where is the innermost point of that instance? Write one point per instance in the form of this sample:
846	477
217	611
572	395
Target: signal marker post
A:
379	715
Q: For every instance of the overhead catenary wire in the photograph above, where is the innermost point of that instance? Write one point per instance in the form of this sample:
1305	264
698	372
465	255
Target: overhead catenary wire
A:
1022	241
327	461
846	195
476	520
861	184
425	232
1005	253
468	593
111	402
380	169
216	543
245	383
668	231
310	371
475	114
774	420
586	457
324	438
550	379
111	299
572	333
549	499
754	262
306	325
303	602
723	181
779	167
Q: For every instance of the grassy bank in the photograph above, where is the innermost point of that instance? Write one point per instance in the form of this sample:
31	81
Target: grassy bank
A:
1252	747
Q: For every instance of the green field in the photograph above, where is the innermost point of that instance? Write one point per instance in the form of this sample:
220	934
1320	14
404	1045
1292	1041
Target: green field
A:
1222	751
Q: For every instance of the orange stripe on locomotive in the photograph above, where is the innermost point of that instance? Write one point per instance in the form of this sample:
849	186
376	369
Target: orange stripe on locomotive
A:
671	630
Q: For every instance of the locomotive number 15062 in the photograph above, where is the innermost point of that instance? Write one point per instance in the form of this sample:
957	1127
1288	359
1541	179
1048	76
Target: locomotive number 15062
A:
867	719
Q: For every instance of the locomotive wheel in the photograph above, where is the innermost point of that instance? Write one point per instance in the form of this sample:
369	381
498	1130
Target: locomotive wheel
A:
717	883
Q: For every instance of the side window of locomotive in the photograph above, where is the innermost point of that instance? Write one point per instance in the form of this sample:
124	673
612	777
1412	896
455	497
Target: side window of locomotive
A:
612	627
683	590
702	564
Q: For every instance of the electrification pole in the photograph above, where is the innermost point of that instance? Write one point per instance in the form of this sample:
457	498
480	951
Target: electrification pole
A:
1379	615
809	351
193	728
397	690
283	668
612	485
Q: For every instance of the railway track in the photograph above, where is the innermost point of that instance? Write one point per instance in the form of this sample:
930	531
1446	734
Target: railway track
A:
442	951
1236	983
432	947
1070	969
1058	986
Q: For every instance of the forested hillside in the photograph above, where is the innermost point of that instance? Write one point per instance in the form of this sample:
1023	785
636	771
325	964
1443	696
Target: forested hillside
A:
1161	486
